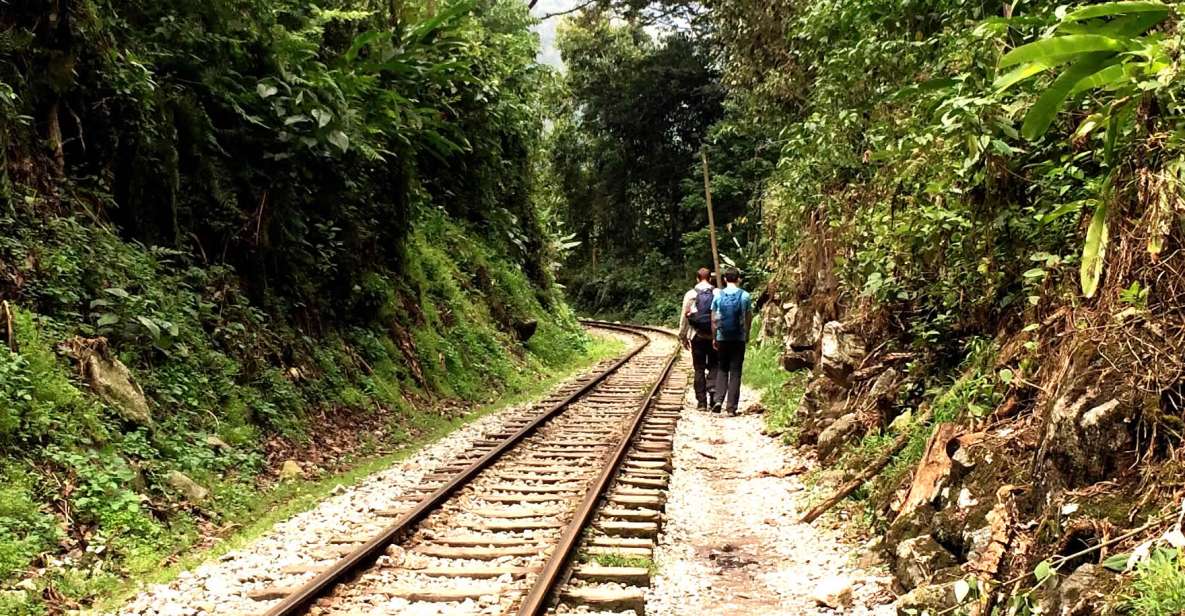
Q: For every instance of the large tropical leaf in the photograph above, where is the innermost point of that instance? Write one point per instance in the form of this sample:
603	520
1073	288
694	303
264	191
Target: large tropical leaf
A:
1095	250
1042	113
1061	48
423	31
1020	74
1112	73
362	41
1109	9
1124	26
1132	25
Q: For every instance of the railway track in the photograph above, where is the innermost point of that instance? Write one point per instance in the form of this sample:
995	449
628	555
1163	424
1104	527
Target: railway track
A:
557	512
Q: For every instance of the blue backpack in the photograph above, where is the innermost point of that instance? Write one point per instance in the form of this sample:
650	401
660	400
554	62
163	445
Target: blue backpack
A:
730	322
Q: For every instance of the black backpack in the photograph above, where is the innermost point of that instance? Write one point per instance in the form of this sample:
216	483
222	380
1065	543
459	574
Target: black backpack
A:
701	319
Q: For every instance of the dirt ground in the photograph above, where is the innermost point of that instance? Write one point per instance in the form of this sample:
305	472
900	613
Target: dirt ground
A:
732	544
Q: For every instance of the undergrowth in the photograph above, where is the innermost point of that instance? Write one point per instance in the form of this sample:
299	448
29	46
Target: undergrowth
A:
620	560
781	391
970	396
86	499
1159	586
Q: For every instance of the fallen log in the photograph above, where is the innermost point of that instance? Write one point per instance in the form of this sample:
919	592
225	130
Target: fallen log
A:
932	470
869	472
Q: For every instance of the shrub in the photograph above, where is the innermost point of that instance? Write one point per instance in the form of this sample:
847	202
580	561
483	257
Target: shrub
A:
1159	587
25	530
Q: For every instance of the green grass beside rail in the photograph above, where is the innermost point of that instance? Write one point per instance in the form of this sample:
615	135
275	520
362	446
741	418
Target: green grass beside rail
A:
781	391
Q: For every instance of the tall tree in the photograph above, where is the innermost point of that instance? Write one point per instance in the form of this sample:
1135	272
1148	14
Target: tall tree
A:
639	110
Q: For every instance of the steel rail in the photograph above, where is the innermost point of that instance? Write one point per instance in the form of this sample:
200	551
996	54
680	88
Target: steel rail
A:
536	601
367	553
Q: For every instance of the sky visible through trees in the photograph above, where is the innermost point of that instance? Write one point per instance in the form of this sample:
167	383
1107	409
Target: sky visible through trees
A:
548	53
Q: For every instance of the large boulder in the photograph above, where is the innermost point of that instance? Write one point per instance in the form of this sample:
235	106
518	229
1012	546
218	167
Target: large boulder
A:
217	444
109	378
525	329
822	403
933	599
836	435
1090	423
802	326
793	360
918	559
190	489
882	396
290	470
1083	592
834	592
840	352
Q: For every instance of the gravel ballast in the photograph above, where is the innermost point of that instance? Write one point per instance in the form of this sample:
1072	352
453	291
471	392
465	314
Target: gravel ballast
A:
731	543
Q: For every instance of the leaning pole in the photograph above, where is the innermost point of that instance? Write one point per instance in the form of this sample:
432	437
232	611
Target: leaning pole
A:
711	220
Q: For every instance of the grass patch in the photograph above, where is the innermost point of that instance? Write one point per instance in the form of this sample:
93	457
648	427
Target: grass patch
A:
1159	586
619	560
781	391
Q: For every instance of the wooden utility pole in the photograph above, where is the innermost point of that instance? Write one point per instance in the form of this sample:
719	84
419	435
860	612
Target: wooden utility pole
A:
703	152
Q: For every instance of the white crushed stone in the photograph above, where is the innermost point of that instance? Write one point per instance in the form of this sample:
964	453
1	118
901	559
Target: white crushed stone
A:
732	544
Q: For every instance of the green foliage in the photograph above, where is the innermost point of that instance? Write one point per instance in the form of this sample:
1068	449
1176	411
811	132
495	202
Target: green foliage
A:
212	377
26	531
38	399
781	391
624	155
273	212
1159	585
620	560
1114	47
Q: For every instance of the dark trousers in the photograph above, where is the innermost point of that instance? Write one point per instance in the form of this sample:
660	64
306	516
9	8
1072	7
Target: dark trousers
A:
731	354
703	362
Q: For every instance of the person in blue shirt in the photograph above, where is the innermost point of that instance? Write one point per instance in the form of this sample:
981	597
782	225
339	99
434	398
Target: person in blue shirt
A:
732	316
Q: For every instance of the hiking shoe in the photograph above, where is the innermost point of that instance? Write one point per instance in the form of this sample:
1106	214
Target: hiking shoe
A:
716	407
732	412
701	407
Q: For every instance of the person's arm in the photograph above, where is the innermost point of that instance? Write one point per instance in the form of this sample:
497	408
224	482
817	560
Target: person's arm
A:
684	323
748	321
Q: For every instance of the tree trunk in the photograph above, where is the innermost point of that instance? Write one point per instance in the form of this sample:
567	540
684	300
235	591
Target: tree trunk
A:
54	135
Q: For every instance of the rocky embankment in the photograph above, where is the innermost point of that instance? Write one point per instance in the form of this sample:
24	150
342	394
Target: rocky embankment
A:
1051	470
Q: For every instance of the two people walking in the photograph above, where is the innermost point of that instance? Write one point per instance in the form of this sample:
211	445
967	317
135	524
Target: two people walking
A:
714	324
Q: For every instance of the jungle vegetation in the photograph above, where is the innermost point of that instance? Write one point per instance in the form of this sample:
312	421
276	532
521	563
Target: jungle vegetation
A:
277	217
277	214
992	190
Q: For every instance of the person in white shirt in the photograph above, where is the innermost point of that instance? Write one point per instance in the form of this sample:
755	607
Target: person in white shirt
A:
695	332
